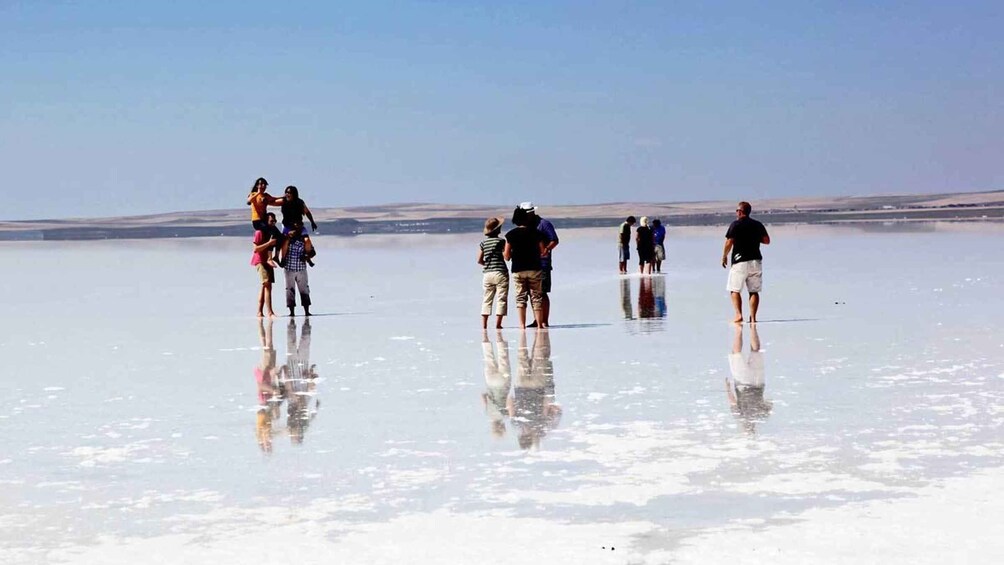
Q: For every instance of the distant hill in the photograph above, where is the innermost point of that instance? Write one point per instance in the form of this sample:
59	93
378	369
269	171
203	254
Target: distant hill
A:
447	218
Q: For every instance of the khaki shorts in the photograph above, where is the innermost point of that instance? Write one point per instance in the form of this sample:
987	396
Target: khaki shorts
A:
265	273
749	273
528	283
496	284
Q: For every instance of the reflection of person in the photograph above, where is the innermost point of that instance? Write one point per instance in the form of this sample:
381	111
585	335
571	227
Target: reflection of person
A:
626	305
743	239
495	279
745	389
659	238
645	246
550	237
299	382
267	384
624	243
266	274
524	246
646	299
498	380
295	250
659	289
531	405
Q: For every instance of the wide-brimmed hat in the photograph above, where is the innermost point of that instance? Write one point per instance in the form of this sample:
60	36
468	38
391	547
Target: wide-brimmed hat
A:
528	206
492	224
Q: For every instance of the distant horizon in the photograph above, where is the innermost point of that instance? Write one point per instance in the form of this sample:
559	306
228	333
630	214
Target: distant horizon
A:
539	203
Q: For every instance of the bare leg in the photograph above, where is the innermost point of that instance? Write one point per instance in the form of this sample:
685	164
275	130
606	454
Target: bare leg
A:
754	305
267	291
545	311
623	267
539	315
737	340
521	314
498	322
737	304
754	338
261	301
484	322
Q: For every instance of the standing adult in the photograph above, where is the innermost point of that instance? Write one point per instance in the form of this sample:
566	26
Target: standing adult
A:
645	246
659	237
293	211
295	250
624	243
524	247
743	239
495	280
266	273
550	238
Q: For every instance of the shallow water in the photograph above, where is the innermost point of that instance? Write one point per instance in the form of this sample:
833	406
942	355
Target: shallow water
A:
390	429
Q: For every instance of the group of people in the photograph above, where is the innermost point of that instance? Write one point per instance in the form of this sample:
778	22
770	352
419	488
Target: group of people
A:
650	242
742	246
527	247
289	248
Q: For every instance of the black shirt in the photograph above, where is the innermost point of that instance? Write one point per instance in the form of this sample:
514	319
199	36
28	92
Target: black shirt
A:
524	244
292	211
746	235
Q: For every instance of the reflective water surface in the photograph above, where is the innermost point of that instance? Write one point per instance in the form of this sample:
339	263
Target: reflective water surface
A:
388	428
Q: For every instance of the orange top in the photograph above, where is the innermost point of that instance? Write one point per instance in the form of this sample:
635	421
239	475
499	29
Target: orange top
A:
259	205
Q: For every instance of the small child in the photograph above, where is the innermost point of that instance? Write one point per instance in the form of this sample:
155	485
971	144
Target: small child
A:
496	274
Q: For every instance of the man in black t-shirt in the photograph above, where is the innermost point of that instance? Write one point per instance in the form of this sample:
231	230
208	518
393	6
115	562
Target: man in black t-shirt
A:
743	239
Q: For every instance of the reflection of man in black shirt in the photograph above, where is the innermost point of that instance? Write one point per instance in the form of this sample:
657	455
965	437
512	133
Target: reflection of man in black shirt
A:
531	406
746	387
743	239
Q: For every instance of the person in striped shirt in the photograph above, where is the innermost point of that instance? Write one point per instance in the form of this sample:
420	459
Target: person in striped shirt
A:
496	274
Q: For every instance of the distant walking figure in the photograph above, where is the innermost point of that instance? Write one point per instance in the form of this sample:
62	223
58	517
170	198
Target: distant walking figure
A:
743	239
646	247
624	243
496	275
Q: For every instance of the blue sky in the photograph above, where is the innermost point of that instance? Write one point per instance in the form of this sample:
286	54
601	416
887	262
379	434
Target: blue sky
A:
118	108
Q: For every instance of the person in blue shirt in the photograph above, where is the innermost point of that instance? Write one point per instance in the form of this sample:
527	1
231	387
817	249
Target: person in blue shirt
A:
659	237
550	238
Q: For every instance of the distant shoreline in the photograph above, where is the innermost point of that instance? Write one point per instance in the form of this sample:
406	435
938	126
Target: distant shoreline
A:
438	219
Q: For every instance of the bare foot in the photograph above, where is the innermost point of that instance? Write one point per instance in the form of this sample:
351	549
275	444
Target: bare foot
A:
272	315
260	315
498	327
738	320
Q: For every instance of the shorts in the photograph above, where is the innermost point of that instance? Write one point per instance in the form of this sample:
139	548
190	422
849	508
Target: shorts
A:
749	273
496	285
646	256
660	252
625	253
266	273
545	281
528	286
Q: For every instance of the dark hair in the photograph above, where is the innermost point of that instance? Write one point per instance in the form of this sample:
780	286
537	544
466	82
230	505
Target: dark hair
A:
255	185
270	215
745	207
293	190
631	219
656	222
519	217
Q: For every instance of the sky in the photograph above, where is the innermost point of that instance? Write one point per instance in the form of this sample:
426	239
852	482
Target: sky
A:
112	108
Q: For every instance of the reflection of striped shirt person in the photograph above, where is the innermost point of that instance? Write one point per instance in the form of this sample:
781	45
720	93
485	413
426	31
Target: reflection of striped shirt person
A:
295	256
492	248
